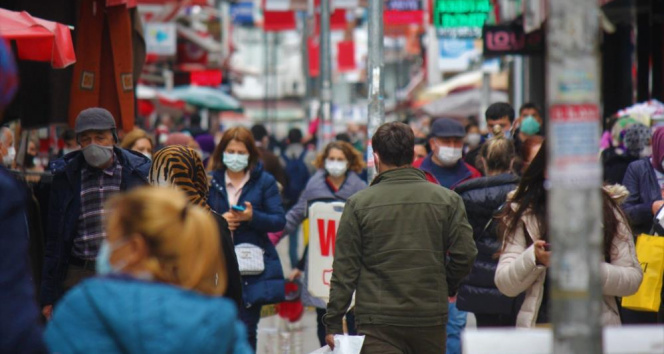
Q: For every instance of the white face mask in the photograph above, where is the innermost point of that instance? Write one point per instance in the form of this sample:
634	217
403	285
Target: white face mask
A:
148	155
449	155
236	162
647	151
473	139
336	168
9	158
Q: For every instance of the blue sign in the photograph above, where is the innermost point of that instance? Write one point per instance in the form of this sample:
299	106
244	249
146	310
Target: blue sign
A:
242	13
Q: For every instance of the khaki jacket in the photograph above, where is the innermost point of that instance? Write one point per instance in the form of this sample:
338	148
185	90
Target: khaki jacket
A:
403	244
517	272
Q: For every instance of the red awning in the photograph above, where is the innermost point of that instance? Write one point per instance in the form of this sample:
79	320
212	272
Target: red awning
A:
38	39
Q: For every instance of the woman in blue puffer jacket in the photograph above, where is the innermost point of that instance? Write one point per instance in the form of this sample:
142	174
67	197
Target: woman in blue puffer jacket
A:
248	198
160	285
482	198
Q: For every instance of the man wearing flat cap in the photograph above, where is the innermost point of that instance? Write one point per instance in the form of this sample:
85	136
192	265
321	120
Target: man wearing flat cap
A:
83	181
444	165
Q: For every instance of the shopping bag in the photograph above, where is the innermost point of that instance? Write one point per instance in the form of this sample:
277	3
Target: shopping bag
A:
343	344
650	252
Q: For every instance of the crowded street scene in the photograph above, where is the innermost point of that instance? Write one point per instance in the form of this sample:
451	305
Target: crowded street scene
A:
332	176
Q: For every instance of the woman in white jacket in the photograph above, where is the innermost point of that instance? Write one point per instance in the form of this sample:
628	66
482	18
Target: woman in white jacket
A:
524	260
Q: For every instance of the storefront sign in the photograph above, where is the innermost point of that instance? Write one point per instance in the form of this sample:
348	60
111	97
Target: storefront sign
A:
242	13
160	38
511	40
461	18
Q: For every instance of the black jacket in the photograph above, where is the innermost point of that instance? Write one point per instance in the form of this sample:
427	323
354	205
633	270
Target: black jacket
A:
234	289
65	207
482	198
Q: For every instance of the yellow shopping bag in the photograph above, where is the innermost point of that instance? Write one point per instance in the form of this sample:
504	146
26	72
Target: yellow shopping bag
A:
650	252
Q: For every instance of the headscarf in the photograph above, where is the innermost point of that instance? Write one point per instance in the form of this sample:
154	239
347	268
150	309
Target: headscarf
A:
636	138
618	131
181	167
658	149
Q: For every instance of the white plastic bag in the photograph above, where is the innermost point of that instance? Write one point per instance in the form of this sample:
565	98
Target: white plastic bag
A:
343	344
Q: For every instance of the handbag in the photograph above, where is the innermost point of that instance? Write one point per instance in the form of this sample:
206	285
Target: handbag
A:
650	252
249	259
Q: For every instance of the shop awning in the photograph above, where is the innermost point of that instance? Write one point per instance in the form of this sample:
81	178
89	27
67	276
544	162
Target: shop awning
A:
37	39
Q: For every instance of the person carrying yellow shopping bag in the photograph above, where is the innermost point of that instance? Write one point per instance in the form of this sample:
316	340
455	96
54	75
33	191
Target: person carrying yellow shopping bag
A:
650	252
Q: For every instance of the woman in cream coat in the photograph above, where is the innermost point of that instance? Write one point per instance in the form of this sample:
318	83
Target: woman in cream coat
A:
524	259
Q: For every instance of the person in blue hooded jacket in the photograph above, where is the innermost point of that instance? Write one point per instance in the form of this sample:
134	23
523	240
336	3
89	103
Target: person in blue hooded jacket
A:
160	285
248	198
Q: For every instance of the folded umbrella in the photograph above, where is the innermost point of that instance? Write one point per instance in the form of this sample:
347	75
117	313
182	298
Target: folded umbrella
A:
37	39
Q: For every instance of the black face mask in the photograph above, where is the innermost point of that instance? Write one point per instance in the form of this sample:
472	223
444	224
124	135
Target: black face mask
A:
30	160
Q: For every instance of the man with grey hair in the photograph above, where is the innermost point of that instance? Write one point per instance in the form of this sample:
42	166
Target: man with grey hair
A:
82	182
7	150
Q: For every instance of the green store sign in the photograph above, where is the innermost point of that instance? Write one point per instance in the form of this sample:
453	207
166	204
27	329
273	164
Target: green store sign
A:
461	18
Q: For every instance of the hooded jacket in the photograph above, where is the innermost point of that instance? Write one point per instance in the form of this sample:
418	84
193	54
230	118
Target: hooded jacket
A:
403	245
65	207
483	197
125	315
268	216
517	271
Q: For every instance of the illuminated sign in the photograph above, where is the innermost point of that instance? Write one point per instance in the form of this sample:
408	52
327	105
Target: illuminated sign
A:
461	18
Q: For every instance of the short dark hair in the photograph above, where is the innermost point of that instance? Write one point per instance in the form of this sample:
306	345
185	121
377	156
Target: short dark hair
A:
499	110
529	105
343	137
259	132
394	143
471	125
295	136
68	134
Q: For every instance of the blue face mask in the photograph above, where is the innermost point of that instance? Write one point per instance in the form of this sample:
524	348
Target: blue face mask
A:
103	264
530	126
236	162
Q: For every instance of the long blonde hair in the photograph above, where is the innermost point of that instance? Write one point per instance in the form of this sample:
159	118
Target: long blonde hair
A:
183	239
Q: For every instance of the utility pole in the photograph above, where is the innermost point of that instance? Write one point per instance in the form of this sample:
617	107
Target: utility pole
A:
325	119
574	175
375	78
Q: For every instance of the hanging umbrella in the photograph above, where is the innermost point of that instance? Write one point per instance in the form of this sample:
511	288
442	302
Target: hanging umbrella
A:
38	39
461	104
204	97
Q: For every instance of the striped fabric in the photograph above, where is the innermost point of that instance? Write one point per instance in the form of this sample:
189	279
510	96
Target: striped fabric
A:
97	187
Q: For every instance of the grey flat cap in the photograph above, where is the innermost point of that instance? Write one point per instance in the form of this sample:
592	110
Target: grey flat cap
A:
94	119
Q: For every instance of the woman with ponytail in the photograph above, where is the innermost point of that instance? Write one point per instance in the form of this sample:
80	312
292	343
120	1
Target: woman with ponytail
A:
160	285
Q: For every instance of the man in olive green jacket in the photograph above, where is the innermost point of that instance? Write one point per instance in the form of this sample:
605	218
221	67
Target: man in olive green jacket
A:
403	245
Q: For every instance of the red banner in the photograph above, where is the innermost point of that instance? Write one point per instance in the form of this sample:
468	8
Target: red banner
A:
313	47
346	56
276	21
396	17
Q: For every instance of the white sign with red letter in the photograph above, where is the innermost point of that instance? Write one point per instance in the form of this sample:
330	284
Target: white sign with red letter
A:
323	224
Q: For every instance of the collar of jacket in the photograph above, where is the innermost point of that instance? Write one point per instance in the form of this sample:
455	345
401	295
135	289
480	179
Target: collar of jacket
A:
486	182
400	175
72	163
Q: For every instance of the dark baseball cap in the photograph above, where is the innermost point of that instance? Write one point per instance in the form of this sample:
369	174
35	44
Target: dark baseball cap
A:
447	128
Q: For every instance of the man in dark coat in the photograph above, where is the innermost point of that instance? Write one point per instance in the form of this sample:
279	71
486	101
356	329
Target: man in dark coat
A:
83	181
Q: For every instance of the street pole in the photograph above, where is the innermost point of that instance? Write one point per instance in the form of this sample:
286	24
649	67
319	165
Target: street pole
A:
432	51
325	120
574	176
375	77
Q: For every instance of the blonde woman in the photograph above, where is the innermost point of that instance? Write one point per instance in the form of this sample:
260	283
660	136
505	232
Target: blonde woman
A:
160	285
